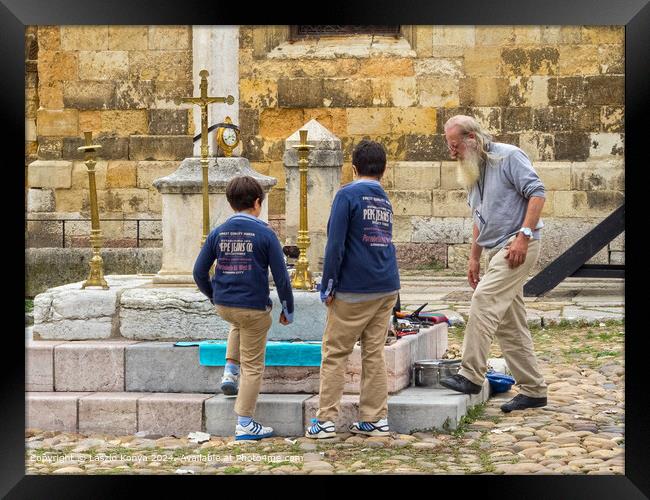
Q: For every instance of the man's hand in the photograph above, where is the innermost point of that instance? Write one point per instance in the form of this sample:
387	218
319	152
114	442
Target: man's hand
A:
516	251
283	319
473	273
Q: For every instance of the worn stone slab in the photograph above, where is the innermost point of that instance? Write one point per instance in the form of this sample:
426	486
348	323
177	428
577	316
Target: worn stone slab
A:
169	313
109	412
52	411
420	408
348	411
39	365
69	313
89	366
577	314
283	412
309	319
171	414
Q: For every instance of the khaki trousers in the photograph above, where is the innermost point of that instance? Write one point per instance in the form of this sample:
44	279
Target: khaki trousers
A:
247	345
348	322
497	308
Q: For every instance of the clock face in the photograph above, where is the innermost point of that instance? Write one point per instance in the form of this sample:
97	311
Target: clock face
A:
229	137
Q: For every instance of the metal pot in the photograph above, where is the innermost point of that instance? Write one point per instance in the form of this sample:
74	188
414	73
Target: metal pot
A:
429	372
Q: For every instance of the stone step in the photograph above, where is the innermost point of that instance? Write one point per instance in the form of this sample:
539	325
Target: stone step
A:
149	366
412	409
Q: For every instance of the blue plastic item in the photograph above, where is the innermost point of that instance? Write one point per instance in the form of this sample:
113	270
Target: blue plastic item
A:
499	382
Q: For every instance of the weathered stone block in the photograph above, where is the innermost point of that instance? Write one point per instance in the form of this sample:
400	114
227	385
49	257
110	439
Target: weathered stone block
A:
300	92
89	120
166	66
109	412
410	202
127	37
258	93
556	176
168	121
578	60
171	414
612	118
135	94
124	200
282	412
346	92
149	171
605	90
617	258
606	145
52	411
448	230
603	34
402	228
458	258
57	66
72	200
448	175
598	176
84	37
89	366
416	175
424	41
124	122
121	174
280	122
368	121
566	91
50	94
573	146
570	203
39	365
553	119
483	91
148	147
450	204
170	37
403	92
113	147
382	66
517	119
537	145
412	120
611	59
494	35
482	61
166	92
439	92
530	61
40	200
382	92
49	174
58	122
49	37
587	119
442	67
425	147
103	65
529	35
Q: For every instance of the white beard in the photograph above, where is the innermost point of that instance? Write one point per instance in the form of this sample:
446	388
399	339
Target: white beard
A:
468	170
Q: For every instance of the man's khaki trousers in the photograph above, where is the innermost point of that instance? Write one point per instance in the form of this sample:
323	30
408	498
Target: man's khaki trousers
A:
498	308
348	322
247	345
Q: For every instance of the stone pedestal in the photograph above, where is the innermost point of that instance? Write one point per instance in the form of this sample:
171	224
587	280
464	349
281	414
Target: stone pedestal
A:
323	181
182	210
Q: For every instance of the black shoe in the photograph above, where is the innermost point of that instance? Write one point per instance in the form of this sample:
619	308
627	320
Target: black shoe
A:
521	402
460	384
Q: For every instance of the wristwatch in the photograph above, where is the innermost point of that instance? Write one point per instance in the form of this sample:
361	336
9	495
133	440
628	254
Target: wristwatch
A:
528	232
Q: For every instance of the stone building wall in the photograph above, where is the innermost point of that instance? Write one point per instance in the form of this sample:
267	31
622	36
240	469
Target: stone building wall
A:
120	82
556	92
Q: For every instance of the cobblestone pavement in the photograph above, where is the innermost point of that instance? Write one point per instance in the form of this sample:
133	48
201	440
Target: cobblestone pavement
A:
581	431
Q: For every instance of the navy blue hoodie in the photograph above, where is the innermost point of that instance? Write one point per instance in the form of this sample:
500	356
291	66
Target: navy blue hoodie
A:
360	255
244	248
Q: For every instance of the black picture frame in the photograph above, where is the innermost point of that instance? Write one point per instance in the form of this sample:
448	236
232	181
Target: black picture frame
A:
633	14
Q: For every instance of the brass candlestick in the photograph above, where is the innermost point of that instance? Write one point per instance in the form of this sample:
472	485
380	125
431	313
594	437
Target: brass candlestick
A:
302	278
96	277
203	102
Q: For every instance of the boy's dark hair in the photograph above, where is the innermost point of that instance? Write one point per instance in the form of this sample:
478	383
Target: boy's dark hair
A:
369	157
241	193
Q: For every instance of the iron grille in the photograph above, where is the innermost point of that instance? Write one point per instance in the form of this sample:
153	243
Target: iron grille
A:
320	30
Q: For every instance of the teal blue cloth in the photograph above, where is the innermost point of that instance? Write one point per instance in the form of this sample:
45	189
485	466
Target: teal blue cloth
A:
213	353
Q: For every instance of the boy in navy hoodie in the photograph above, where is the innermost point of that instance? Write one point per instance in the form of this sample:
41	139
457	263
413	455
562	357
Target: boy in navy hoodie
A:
244	248
359	286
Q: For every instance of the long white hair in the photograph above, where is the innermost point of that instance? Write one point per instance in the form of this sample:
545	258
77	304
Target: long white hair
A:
468	124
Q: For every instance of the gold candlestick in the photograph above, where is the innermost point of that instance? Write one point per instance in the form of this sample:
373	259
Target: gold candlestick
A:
96	276
203	102
302	278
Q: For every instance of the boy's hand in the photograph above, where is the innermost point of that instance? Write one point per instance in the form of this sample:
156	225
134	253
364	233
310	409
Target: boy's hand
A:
329	300
283	319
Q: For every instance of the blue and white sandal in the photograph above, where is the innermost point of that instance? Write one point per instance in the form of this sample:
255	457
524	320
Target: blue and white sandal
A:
321	430
379	428
253	430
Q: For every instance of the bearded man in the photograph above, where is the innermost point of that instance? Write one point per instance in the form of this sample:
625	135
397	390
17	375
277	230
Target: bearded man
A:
506	197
